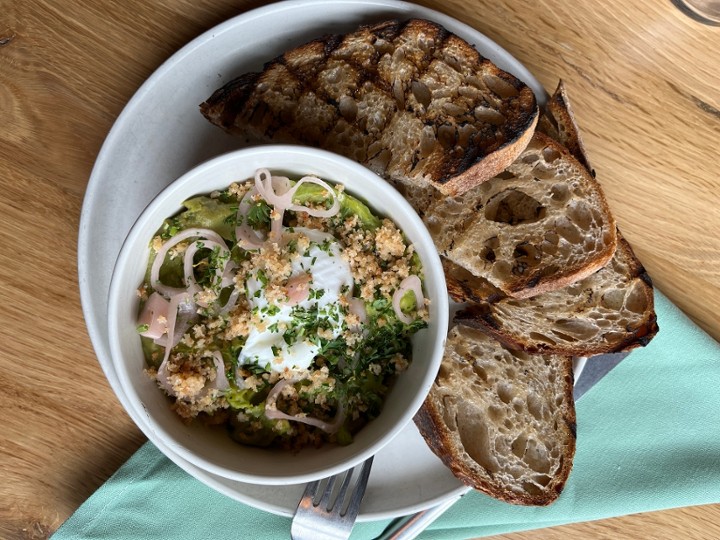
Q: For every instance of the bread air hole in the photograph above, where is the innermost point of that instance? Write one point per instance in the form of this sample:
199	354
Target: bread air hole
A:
564	337
550	154
505	391
536	457
449	419
514	207
519	445
580	213
518	406
613	299
480	372
506	175
475	438
495	414
637	300
582	329
536	336
531	489
568	230
560	193
542	479
542	171
502	269
535	406
527	255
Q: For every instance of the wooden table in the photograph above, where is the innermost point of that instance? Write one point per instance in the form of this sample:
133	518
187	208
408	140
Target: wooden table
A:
644	83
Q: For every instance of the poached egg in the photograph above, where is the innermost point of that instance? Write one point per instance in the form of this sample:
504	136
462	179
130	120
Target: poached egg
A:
283	334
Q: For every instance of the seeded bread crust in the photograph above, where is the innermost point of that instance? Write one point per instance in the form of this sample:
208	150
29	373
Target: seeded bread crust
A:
539	226
413	102
502	421
610	311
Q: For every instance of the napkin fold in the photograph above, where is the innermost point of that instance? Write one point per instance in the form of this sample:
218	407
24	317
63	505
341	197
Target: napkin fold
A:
647	440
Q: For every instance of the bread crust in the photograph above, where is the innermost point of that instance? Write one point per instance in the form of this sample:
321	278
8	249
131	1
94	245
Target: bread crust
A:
559	113
442	113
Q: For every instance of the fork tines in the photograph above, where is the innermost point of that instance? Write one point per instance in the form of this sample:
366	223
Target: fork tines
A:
333	513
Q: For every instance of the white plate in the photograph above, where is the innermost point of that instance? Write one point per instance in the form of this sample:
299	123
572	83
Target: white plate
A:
161	134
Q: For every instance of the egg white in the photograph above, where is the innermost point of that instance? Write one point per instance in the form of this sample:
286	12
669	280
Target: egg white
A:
331	274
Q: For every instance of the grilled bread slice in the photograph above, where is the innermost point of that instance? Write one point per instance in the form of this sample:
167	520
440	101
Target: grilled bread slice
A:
609	311
540	225
415	103
502	421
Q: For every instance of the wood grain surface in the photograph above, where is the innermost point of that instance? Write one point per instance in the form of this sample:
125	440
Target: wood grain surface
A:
643	79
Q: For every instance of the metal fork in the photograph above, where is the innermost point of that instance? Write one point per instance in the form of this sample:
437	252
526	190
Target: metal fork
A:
332	517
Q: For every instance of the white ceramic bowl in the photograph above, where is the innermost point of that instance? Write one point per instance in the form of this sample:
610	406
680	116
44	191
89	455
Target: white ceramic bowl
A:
212	449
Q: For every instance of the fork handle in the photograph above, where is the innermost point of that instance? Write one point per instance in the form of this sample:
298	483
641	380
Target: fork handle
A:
409	527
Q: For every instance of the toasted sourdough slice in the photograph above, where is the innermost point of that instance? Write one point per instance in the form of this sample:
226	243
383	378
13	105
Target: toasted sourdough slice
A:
540	225
413	102
609	311
503	421
558	122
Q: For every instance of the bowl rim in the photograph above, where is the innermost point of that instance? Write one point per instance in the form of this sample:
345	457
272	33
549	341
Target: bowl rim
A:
432	267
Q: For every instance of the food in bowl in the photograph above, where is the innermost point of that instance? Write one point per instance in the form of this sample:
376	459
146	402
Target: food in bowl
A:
281	309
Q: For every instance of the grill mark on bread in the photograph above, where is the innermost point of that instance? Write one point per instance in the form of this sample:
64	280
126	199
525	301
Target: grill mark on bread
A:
417	53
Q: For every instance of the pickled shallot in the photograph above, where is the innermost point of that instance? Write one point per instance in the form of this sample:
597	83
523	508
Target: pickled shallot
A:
412	284
152	322
272	412
200	234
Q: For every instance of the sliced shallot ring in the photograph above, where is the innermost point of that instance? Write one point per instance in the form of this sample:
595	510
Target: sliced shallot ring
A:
153	312
276	226
228	277
155	282
221	381
274	189
162	378
174	306
272	412
247	237
231	302
188	262
410	283
186	314
176	303
315	212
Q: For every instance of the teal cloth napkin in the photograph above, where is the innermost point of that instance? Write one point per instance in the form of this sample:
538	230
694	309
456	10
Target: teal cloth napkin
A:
648	439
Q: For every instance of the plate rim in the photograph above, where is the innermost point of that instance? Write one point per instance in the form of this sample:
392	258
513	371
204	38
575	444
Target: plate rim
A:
99	171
